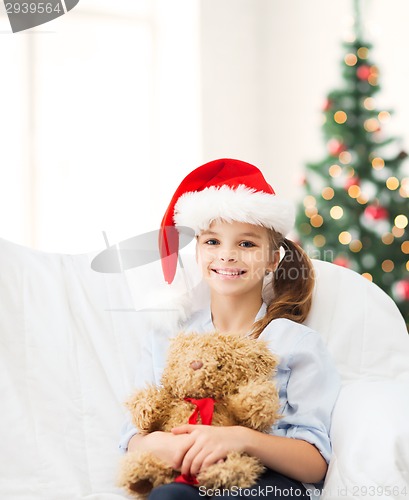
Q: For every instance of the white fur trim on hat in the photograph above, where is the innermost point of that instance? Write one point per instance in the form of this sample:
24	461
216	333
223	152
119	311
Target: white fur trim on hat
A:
199	209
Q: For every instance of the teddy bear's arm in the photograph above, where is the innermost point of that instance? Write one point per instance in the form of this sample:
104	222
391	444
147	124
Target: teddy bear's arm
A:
148	408
255	405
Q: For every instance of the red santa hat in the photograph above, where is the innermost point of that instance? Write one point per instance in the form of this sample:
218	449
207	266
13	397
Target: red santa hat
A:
225	189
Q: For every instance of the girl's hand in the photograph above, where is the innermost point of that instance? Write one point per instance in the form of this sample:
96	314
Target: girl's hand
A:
170	448
210	445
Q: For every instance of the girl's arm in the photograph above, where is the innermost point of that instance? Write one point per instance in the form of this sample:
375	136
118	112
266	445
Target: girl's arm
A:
294	458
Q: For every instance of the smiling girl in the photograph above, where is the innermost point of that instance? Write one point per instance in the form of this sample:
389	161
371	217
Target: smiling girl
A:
256	291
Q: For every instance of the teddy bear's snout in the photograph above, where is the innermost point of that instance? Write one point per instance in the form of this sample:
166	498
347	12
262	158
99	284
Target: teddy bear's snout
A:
196	365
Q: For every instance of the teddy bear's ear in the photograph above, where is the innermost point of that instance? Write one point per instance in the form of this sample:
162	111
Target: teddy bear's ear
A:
180	338
181	342
260	358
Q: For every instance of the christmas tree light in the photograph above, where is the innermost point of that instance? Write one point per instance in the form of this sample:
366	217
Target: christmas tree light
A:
355	205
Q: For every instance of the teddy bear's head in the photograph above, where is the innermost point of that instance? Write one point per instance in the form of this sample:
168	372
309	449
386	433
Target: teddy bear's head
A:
214	364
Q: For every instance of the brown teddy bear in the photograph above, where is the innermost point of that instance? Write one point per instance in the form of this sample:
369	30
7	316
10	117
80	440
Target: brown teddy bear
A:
233	375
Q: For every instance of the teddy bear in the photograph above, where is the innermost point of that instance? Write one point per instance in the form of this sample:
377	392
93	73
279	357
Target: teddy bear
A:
209	378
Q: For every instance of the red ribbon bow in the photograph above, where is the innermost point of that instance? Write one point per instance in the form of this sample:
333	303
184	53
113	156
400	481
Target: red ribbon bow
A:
205	408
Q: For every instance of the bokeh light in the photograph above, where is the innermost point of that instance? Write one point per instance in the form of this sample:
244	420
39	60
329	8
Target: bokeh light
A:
401	221
335	170
387	266
336	212
345	157
345	237
378	163
316	221
369	103
355	246
405	247
354	191
384	116
340	117
363	52
392	183
327	193
398	232
371	125
350	59
319	240
388	238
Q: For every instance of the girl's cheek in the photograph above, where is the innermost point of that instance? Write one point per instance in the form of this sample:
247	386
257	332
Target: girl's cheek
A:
207	252
203	257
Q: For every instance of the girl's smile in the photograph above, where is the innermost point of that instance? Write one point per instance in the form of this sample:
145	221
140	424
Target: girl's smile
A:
228	273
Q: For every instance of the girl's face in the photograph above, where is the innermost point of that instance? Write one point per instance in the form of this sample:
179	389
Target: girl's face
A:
234	257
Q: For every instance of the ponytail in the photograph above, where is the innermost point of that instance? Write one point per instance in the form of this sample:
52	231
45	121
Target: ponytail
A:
293	285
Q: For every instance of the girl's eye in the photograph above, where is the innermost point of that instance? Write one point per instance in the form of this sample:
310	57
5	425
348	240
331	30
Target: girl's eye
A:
211	242
247	244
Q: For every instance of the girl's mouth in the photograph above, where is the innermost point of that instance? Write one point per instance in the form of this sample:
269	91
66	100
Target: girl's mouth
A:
229	273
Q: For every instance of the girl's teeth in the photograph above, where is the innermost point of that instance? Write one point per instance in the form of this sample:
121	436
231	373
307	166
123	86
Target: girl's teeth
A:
227	273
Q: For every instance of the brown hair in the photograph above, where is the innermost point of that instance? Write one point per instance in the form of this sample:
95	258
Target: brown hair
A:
292	284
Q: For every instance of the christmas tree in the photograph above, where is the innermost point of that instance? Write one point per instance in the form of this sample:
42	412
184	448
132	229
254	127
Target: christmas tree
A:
355	209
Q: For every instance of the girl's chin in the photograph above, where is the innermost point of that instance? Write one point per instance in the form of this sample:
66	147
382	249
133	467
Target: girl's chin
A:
235	285
226	277
218	279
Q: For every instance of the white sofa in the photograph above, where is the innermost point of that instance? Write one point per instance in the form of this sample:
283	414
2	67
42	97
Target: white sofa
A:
69	343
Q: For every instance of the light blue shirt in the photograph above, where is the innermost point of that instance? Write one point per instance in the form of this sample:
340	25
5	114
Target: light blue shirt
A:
307	380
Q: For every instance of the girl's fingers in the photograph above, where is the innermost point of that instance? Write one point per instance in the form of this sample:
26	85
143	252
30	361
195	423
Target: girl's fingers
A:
211	459
197	463
183	429
188	459
201	452
201	460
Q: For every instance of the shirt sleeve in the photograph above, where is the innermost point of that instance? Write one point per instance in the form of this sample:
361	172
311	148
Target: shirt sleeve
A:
144	373
127	432
313	387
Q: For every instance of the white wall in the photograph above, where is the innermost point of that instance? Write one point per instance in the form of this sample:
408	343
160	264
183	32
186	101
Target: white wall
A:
100	119
234	53
267	66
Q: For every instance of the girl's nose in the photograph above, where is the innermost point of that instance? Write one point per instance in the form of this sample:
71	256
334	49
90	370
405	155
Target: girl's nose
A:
227	258
227	255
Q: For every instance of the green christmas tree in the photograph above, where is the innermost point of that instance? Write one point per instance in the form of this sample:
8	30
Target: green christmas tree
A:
355	209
